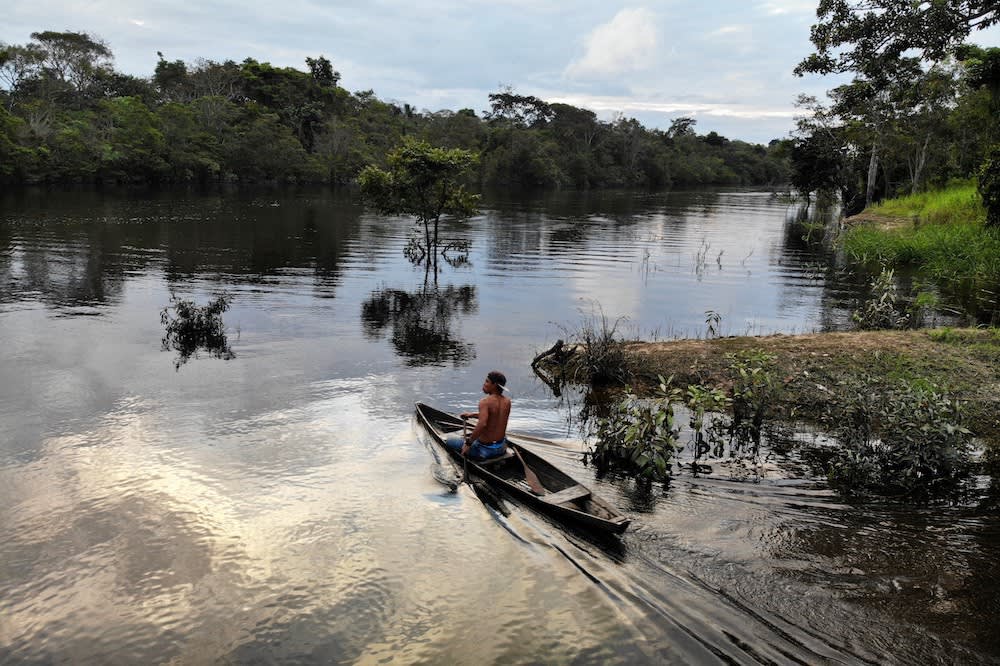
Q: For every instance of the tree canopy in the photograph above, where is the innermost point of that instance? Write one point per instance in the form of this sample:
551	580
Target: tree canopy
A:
73	117
867	36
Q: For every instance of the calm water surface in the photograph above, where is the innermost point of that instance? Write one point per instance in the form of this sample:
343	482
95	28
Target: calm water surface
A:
283	507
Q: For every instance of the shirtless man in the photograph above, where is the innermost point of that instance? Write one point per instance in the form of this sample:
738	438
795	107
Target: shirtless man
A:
488	438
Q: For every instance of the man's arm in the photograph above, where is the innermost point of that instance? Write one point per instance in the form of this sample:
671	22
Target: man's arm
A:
484	419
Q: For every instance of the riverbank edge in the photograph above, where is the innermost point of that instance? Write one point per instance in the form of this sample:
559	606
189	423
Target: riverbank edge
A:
816	369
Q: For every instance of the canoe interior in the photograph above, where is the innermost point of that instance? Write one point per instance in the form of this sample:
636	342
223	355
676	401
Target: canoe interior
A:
565	497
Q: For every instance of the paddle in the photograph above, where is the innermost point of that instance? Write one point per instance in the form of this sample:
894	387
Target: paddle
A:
529	476
465	456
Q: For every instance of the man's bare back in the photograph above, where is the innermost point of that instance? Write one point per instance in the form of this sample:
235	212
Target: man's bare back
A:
494	411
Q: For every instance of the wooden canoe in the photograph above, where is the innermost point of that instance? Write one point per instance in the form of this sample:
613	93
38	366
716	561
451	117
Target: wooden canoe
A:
565	499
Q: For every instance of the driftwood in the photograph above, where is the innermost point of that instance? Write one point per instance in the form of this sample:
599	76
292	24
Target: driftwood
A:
559	352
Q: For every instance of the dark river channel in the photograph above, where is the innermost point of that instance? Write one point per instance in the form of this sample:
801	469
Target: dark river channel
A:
283	506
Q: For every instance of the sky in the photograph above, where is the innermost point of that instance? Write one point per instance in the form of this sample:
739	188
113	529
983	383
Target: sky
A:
726	63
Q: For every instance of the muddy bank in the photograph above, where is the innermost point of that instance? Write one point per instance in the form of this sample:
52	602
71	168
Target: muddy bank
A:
814	369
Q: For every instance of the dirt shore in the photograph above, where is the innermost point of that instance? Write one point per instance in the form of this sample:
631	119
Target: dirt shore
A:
963	363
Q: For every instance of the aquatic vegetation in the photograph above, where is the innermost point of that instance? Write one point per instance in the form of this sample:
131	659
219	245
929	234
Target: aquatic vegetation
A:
908	441
882	310
638	437
601	358
756	391
704	405
428	183
190	327
713	321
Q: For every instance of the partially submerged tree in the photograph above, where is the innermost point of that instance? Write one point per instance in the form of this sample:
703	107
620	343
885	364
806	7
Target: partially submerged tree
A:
425	182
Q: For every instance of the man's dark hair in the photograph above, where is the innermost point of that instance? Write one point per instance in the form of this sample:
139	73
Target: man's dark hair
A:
497	378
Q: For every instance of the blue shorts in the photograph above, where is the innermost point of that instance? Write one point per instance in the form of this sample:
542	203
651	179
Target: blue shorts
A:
478	450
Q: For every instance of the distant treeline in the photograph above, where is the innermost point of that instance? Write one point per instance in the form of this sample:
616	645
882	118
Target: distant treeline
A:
68	116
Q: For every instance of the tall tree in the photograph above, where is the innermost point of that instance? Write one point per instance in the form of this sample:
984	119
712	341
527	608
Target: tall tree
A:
322	72
73	57
18	64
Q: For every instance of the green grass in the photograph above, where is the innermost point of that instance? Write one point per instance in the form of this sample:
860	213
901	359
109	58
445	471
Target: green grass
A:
958	203
948	241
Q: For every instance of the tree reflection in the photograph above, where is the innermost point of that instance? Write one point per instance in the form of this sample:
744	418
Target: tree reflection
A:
420	323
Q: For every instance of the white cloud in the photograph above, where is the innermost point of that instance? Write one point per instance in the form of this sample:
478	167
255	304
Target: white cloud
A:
731	30
779	7
626	43
720	110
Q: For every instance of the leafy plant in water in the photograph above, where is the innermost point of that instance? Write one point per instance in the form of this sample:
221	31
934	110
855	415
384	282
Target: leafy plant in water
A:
881	310
712	321
638	435
922	307
700	401
756	388
190	327
907	442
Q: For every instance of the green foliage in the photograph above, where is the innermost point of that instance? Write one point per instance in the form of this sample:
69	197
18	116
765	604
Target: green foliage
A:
700	401
978	336
75	149
189	147
16	161
907	442
134	146
961	255
229	120
954	204
924	303
422	181
865	35
817	164
266	149
190	327
637	437
756	389
989	186
882	310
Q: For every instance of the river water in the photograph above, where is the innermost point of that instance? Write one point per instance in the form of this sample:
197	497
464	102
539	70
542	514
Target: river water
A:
282	506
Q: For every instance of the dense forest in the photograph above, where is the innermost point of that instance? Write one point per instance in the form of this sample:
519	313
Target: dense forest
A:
68	116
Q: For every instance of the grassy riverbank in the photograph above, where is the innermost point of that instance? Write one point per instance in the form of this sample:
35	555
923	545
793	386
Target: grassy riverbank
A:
817	370
942	234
